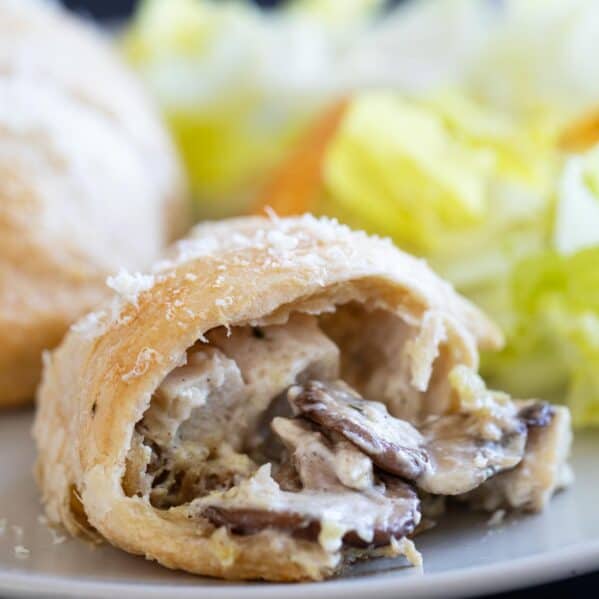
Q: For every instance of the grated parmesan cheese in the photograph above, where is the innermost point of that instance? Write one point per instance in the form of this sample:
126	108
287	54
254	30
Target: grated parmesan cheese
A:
128	286
281	241
90	324
240	240
278	237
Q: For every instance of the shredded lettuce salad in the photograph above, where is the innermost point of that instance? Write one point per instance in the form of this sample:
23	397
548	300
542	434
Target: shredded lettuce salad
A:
553	343
498	208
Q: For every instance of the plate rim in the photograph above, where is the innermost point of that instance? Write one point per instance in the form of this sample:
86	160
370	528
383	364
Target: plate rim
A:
508	574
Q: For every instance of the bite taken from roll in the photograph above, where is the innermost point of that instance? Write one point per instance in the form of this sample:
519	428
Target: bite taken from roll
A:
279	398
89	182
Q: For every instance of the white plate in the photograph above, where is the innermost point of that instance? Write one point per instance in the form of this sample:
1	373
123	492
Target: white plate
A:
462	557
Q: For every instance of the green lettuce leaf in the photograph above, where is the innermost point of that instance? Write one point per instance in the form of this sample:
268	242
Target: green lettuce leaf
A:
553	347
496	208
443	176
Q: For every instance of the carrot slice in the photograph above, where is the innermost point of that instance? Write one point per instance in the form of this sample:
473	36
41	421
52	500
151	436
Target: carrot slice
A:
296	184
582	134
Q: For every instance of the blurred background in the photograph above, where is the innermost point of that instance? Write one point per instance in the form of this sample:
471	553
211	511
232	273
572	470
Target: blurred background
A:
465	130
116	9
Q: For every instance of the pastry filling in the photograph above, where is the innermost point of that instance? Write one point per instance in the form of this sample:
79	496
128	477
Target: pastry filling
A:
337	430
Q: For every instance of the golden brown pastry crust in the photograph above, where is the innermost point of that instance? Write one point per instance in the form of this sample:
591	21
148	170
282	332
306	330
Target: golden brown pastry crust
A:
89	182
100	380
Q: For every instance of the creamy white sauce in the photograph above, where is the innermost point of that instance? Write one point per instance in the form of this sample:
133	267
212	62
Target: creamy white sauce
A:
323	466
341	510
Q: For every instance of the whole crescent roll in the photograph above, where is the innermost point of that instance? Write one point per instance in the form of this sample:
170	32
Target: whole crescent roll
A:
278	398
89	182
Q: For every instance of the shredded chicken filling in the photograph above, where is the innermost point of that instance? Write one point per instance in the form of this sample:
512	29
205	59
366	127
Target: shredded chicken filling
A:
257	431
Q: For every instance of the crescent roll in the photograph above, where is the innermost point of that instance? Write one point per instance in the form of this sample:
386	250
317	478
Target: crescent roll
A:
279	398
89	182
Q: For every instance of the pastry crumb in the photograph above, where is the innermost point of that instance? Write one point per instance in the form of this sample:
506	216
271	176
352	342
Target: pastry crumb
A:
407	548
21	552
17	531
223	547
57	538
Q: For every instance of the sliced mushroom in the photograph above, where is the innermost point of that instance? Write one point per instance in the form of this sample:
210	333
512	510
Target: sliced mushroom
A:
393	444
537	414
342	517
542	471
449	455
326	508
405	515
484	435
320	463
250	521
461	458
